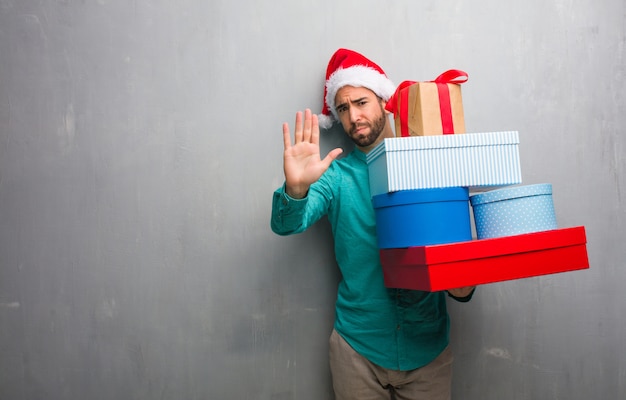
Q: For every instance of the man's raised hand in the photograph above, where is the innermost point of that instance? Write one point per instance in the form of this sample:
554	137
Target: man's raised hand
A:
301	160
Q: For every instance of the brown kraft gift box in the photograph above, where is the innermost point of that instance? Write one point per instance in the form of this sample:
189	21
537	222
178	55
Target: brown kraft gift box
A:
426	112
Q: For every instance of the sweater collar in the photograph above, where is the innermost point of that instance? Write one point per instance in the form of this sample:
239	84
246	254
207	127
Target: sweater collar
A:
359	154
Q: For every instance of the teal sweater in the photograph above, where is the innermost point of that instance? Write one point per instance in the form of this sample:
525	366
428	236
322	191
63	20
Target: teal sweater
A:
393	328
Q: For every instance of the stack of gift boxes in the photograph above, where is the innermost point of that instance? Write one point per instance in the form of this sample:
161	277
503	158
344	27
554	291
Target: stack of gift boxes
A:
423	182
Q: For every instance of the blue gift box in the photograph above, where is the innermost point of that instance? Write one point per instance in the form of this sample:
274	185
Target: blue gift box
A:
474	160
514	211
422	217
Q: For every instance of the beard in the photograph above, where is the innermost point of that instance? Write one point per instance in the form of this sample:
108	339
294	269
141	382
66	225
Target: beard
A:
375	130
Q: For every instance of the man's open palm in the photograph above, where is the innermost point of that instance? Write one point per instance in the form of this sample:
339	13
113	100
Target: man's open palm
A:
301	161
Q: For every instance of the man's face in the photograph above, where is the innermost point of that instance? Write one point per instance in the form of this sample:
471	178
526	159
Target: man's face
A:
362	115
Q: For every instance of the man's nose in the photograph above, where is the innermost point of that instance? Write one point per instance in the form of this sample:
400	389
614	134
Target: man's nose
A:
355	115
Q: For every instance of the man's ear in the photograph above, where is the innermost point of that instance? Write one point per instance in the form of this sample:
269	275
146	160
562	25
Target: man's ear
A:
383	104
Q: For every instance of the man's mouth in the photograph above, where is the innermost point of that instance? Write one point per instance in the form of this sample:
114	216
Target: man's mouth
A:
359	129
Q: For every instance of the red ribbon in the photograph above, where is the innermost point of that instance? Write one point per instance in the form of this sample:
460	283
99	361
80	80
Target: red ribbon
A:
392	106
453	76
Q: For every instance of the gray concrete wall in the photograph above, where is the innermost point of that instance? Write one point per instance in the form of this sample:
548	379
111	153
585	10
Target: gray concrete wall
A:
140	142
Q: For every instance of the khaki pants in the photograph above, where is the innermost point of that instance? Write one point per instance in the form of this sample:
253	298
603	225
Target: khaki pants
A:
354	377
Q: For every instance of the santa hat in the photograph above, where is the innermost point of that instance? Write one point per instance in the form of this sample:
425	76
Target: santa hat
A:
349	68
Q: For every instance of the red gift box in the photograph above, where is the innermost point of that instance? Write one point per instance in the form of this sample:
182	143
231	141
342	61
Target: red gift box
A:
447	266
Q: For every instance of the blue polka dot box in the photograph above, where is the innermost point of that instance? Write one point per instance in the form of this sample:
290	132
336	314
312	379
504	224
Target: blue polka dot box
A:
513	211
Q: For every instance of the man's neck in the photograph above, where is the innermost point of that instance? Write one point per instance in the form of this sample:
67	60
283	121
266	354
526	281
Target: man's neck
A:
387	133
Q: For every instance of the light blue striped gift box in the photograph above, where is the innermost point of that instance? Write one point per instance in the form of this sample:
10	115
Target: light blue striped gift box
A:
474	160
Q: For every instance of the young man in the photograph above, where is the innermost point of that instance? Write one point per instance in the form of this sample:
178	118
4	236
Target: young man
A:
386	343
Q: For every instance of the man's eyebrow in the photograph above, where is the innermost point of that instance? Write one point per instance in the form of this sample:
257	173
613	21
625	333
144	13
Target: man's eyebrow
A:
359	99
351	101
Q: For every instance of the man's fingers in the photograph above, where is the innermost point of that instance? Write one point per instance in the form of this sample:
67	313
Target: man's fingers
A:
306	129
315	130
306	135
332	156
286	136
298	128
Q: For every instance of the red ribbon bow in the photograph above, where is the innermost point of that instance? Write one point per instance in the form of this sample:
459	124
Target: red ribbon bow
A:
454	76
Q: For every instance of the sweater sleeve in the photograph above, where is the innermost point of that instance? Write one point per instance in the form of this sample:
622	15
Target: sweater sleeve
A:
291	215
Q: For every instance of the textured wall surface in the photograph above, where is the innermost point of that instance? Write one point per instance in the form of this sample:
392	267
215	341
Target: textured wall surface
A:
140	142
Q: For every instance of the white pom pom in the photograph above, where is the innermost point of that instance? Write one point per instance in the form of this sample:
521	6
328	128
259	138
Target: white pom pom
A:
325	121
